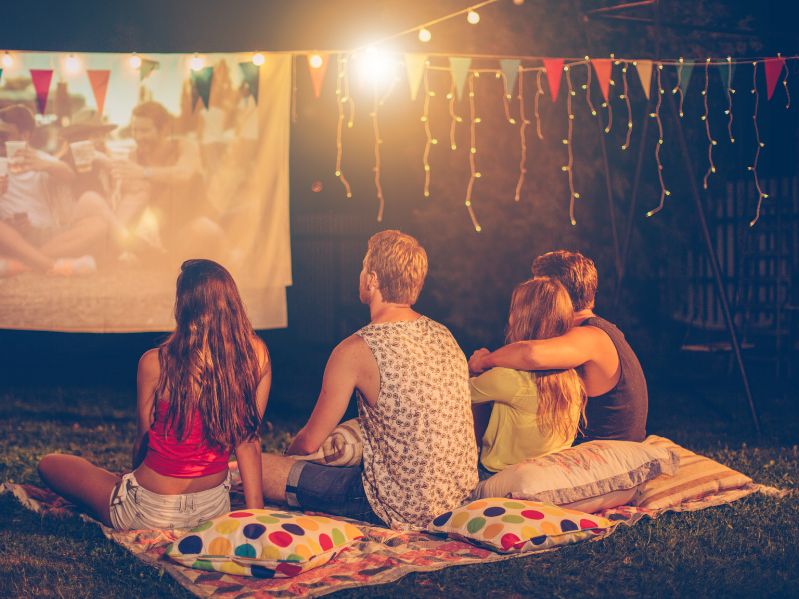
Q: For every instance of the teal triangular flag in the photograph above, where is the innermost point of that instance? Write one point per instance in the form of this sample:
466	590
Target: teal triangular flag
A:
684	71
510	67
459	67
201	85
727	72
252	77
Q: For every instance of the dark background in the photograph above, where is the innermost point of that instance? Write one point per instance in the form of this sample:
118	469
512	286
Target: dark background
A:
471	274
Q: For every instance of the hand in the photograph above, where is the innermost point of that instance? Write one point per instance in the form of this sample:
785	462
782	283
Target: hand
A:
477	361
27	159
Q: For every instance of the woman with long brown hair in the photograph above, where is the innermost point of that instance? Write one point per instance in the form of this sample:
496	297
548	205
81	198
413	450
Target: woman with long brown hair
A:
533	413
200	396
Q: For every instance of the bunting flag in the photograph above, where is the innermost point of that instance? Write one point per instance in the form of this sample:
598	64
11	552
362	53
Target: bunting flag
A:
414	66
201	85
727	72
684	71
459	68
318	74
773	68
602	68
251	74
147	67
41	83
554	70
644	68
511	70
99	82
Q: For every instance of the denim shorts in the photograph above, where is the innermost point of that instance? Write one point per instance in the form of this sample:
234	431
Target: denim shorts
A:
336	490
132	507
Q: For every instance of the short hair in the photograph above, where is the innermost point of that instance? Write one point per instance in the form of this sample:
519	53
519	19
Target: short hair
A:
155	112
575	272
400	263
20	116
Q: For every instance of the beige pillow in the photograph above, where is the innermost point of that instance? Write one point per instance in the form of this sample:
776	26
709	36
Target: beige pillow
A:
697	476
344	447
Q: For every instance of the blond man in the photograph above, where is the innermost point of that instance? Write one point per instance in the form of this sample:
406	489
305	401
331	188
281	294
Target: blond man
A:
412	387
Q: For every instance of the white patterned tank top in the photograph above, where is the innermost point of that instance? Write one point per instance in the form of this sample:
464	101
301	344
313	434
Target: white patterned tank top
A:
419	450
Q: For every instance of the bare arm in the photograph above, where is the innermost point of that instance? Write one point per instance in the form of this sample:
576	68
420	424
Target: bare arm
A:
186	167
248	453
339	382
146	381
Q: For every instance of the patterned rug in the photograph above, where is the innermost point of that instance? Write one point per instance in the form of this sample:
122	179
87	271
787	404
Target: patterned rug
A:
383	557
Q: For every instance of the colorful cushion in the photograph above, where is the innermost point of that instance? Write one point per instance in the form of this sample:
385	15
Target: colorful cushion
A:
344	447
582	472
517	526
263	543
697	476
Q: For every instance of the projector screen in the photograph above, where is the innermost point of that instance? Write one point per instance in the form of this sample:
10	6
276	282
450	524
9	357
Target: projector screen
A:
115	168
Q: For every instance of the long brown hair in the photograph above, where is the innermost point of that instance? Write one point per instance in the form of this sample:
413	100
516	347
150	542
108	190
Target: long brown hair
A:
208	364
540	308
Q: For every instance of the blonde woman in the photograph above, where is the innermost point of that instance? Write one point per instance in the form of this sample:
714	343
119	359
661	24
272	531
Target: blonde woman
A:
533	413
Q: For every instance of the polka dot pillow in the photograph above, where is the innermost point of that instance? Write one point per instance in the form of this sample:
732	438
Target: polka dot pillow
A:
263	543
518	526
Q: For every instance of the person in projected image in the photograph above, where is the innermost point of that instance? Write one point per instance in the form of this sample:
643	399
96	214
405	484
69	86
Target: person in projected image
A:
34	236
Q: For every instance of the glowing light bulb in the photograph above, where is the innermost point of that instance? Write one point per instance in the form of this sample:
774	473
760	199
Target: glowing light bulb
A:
258	59
72	64
8	61
196	63
472	17
376	66
425	35
134	61
315	60
518	2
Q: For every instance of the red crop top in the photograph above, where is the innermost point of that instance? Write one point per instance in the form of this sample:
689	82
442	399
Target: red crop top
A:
190	458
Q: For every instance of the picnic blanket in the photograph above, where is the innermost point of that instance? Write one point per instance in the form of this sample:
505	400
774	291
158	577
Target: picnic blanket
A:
382	557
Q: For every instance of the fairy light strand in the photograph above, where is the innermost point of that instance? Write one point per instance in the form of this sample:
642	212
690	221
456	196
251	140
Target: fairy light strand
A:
340	101
454	118
760	144
730	92
522	139
429	135
678	87
538	93
626	97
569	167
785	84
506	97
587	86
711	168
378	141
474	174
656	115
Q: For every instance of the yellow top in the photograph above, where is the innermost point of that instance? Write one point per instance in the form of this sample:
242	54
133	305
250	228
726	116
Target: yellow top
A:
513	433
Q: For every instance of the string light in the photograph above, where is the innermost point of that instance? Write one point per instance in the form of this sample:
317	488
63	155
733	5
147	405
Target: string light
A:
378	142
455	119
196	63
785	83
730	91
760	194
626	97
609	106
506	97
134	61
473	17
678	87
425	35
538	93
341	99
315	61
72	64
522	138
568	168
474	174
430	140
587	86
706	117
8	60
656	115
258	59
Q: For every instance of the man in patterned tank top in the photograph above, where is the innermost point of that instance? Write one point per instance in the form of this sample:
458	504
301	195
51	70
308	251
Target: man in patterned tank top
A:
414	408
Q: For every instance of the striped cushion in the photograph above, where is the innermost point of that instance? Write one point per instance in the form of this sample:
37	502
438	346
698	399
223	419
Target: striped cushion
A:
697	476
344	447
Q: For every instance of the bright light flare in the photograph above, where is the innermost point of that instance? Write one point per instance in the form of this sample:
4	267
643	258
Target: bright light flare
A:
376	66
196	63
258	59
72	64
134	61
315	60
8	60
425	35
473	17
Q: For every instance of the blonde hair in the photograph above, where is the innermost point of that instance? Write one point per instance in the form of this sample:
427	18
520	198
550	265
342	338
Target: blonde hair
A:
540	308
400	264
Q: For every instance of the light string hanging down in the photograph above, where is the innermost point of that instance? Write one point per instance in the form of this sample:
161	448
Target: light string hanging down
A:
455	119
474	174
730	91
785	83
587	86
342	97
607	103
656	115
678	87
378	141
506	97
522	138
538	93
761	195
711	169
626	97
568	168
430	140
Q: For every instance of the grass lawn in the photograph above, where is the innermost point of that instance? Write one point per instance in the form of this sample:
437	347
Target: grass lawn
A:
746	549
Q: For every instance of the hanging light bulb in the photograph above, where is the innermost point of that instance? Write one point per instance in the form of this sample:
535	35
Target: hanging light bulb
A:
196	63
258	59
518	2
315	61
134	61
72	64
473	17
8	61
425	35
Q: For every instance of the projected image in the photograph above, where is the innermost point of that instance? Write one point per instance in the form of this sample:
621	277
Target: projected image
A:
114	169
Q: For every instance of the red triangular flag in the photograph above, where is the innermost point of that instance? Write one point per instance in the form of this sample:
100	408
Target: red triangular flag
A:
41	83
773	68
554	70
602	68
99	81
318	74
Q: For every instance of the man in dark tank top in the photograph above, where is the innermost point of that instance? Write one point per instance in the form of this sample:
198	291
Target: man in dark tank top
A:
618	400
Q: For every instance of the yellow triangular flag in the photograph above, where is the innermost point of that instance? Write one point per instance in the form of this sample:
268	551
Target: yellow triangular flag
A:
414	65
644	68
